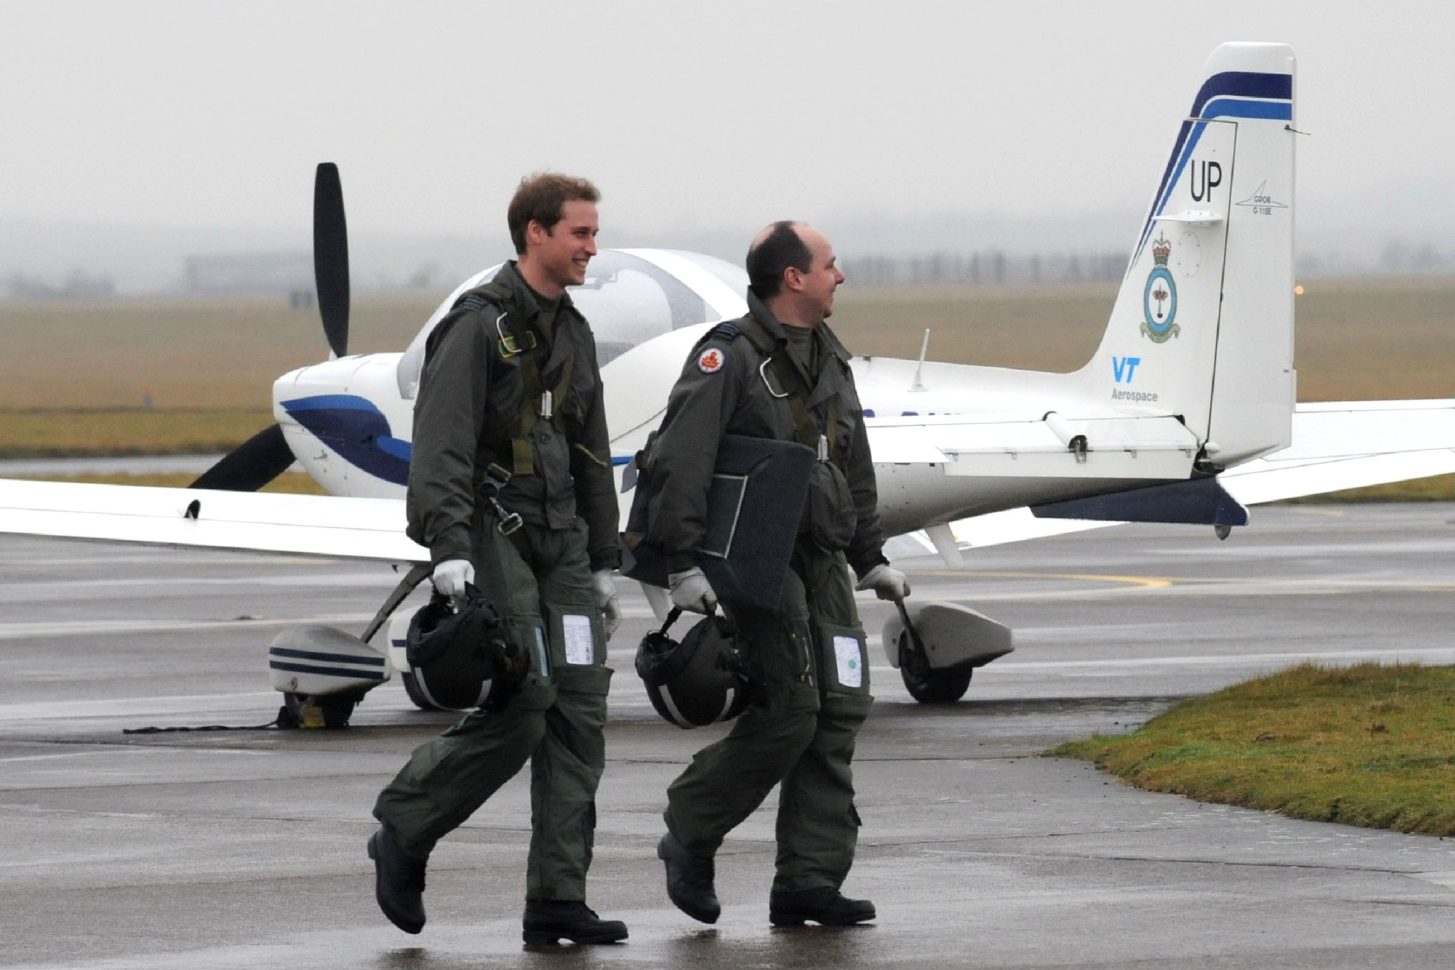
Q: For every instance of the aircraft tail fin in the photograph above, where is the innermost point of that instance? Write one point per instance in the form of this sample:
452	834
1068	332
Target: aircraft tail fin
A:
1203	324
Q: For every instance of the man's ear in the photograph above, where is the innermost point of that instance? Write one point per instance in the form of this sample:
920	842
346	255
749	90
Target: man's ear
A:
535	233
793	278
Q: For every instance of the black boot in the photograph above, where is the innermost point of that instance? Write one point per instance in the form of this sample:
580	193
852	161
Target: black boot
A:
546	921
824	905
398	882
689	880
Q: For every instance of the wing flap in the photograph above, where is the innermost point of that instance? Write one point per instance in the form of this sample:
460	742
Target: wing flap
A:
1336	445
1055	446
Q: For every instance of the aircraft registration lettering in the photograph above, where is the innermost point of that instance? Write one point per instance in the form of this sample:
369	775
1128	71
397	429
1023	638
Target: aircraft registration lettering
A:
1206	176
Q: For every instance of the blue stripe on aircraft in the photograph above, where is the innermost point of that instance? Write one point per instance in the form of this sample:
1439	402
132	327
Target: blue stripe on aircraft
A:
1240	108
1245	84
348	672
1233	87
355	428
345	658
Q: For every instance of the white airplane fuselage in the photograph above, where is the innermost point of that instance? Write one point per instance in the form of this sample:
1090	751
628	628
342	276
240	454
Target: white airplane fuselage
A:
348	423
1194	374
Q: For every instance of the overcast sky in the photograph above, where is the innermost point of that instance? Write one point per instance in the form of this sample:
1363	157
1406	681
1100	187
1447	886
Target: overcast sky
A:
692	116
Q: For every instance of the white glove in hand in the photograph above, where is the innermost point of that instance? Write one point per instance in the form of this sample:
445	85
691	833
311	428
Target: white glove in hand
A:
451	576
887	582
604	589
692	592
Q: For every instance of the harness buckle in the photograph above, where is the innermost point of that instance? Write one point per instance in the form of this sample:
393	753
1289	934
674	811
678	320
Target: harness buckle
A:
509	345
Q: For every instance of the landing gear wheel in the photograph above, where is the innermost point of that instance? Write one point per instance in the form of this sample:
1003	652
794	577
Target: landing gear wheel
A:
411	687
309	711
924	683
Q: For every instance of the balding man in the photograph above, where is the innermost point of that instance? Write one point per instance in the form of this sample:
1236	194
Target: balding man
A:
778	373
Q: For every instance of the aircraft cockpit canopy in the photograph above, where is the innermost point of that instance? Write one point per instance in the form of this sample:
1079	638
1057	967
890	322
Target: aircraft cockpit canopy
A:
630	296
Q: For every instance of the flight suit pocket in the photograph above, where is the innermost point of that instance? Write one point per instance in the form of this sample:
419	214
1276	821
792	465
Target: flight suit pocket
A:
578	638
829	518
843	659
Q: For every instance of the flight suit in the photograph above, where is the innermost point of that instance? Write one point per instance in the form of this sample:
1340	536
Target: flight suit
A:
495	389
800	730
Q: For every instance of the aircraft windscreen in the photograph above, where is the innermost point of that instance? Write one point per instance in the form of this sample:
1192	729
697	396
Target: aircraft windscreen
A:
627	298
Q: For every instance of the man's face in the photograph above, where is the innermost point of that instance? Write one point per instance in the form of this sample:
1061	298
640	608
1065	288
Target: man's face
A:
823	276
562	252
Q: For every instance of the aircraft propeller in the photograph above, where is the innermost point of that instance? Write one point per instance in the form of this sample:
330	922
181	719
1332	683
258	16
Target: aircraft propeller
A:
331	257
266	455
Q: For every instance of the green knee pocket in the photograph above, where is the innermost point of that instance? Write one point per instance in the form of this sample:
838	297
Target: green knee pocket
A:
578	638
843	659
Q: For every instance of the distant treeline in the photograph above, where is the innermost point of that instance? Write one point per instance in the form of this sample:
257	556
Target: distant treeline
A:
989	266
995	266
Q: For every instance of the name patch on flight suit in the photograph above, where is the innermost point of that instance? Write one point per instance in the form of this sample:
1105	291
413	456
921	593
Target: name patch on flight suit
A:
580	646
710	361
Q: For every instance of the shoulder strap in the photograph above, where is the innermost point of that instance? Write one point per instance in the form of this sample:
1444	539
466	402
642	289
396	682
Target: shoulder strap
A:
727	331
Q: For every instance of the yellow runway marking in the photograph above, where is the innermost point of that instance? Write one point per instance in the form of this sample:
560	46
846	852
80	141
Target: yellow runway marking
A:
1165	582
1150	582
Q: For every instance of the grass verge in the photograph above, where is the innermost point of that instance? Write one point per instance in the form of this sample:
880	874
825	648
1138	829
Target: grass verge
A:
1369	745
289	483
89	432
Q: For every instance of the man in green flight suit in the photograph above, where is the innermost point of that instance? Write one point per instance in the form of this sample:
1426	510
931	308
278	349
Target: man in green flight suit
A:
511	380
778	373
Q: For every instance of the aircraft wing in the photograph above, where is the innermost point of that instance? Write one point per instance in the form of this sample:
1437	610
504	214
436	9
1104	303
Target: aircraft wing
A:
315	525
1335	446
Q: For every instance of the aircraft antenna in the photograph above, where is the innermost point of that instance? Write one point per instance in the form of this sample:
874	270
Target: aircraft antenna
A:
924	348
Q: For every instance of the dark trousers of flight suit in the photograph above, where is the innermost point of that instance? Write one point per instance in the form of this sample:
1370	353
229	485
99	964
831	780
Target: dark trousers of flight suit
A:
539	580
800	731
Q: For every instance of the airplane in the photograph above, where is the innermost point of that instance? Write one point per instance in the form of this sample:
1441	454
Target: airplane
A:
1185	412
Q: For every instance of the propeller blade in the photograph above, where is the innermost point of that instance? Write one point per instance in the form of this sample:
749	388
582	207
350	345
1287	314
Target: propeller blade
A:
250	465
331	257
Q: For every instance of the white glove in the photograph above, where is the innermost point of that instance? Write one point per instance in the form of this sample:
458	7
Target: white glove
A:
692	592
604	589
887	582
451	576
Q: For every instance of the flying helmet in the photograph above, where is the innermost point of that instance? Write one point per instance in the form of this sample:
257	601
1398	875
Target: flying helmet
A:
462	660
700	680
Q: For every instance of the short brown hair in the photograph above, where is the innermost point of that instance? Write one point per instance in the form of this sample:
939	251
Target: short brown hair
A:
770	256
540	198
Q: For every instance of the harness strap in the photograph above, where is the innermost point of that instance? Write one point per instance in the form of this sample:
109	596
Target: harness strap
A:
529	347
806	429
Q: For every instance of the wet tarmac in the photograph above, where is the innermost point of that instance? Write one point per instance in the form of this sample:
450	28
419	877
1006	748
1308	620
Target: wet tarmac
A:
245	848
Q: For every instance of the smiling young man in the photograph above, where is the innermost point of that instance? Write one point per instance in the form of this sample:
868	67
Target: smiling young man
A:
511	380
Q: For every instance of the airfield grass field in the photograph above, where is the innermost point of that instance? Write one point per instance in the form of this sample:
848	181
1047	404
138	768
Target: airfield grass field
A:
186	376
1369	745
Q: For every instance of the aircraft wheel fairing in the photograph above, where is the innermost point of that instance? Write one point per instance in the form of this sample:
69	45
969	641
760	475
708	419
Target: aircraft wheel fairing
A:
938	654
924	683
